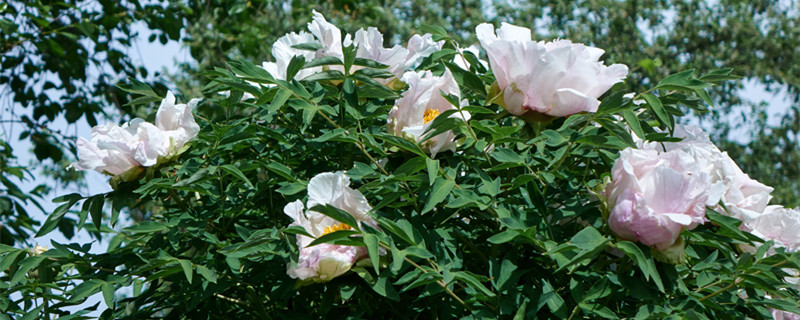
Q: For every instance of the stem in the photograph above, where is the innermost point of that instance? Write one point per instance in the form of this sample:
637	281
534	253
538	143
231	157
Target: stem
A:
736	281
440	282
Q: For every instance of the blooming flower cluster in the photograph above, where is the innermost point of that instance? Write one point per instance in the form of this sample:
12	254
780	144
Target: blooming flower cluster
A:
369	43
657	191
661	188
124	150
421	103
325	261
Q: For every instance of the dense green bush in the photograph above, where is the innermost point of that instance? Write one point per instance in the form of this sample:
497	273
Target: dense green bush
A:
509	218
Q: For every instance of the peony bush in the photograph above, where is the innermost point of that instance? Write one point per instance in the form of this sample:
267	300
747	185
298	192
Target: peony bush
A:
349	180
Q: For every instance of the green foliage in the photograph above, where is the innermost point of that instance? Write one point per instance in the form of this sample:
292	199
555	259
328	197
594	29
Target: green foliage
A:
507	226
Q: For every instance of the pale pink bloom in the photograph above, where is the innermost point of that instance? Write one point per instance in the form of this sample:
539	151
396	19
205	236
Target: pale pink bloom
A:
784	315
370	46
744	197
176	121
419	48
653	196
328	35
420	104
283	53
779	224
556	78
115	150
326	261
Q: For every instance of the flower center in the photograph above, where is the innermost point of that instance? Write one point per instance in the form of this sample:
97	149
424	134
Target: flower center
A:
430	114
334	228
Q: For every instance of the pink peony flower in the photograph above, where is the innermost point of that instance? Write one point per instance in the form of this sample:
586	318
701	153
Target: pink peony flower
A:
556	78
420	104
744	197
326	261
653	196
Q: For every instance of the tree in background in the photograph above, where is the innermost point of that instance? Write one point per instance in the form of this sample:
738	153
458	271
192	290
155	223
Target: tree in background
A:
60	62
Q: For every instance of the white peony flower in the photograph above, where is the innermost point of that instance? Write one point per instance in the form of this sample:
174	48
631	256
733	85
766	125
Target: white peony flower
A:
120	150
283	53
420	104
328	35
370	46
177	121
326	261
556	78
779	224
419	48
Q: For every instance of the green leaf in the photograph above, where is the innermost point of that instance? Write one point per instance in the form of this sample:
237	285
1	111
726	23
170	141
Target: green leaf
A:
333	236
209	274
186	265
96	209
467	79
369	63
54	218
85	289
507	155
633	122
433	169
108	294
371	242
440	190
237	173
337	214
325	75
294	66
617	131
588	239
503	237
614	103
402	144
658	109
146	227
474	281
297	230
33	313
9	259
644	263
679	78
308	46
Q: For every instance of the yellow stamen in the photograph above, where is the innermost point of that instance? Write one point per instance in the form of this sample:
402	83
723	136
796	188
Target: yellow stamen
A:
430	114
334	228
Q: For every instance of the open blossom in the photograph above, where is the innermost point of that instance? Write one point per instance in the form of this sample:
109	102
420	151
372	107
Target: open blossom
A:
370	46
556	78
654	196
328	35
116	150
283	53
744	197
419	48
324	262
420	104
779	224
